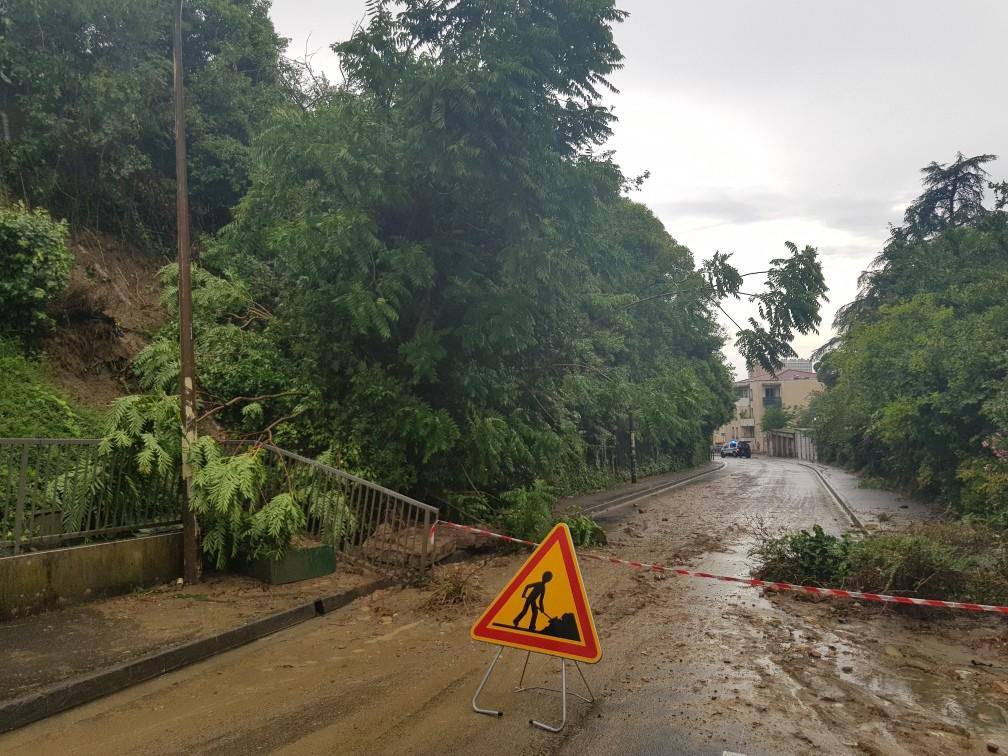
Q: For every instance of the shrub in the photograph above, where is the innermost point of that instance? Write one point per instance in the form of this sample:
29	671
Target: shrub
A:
815	558
914	563
584	530
985	488
955	561
530	516
34	265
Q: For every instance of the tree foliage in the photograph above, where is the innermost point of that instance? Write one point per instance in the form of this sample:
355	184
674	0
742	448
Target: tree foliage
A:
32	408
775	418
34	266
91	88
917	378
953	197
790	304
434	277
243	513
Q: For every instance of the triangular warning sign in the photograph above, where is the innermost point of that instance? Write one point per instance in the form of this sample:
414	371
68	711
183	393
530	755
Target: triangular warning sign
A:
544	607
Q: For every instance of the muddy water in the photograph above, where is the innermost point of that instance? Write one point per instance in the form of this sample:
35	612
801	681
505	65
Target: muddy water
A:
689	666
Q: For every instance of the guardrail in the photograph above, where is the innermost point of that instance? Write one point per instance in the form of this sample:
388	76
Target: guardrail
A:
360	519
58	491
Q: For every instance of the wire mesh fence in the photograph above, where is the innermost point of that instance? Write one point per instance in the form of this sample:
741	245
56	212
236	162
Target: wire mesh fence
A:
55	492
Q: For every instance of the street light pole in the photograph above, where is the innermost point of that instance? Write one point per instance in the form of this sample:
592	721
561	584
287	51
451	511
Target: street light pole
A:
633	450
187	374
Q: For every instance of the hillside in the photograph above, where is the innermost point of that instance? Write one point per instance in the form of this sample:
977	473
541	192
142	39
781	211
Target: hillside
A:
107	314
60	382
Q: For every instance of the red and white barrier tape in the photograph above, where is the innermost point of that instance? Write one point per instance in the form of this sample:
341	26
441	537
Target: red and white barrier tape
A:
752	582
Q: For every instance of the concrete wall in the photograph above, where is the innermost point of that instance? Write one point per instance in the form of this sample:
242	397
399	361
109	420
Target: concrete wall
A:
791	443
47	579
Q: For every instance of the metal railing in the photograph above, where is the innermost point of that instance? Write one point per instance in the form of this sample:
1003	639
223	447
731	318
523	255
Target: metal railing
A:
59	491
56	492
361	520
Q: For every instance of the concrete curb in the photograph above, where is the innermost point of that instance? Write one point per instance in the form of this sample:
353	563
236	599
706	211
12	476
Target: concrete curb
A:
836	497
70	693
631	497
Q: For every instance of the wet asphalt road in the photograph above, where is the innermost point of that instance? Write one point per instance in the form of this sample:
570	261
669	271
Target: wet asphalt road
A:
724	504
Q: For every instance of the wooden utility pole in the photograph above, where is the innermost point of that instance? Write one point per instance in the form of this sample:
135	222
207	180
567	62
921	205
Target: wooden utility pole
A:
192	567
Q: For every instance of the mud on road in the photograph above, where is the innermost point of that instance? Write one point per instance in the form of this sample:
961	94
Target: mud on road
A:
689	666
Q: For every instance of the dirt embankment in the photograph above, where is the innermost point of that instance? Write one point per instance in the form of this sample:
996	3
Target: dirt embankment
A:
105	317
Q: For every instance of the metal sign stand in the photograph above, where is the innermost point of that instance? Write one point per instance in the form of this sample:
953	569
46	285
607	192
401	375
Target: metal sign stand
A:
522	689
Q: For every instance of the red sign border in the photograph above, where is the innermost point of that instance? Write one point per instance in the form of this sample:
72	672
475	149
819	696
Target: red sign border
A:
588	651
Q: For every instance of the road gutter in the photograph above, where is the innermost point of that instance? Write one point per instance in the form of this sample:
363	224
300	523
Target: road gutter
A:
836	498
634	496
65	695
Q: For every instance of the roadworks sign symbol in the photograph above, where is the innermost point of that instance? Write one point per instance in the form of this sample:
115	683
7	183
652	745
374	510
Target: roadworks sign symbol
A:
544	607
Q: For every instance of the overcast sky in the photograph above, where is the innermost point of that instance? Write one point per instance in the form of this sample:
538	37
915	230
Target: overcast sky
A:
776	120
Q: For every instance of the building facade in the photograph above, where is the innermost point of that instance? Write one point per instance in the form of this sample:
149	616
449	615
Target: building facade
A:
791	388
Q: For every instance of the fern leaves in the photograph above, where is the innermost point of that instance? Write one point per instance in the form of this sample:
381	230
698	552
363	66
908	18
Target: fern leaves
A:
273	526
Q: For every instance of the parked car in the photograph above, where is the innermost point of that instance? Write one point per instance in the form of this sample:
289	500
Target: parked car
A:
737	449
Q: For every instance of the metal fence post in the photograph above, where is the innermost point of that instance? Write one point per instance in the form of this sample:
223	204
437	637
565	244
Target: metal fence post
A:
425	549
22	494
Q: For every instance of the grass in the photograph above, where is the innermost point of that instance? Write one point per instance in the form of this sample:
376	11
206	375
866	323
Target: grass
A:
954	561
31	408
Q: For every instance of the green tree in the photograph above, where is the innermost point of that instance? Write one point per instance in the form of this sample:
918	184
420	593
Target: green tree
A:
917	374
92	91
444	267
952	199
775	418
953	196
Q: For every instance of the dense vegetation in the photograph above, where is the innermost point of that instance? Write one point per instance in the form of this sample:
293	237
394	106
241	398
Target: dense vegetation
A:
917	400
32	408
34	267
432	274
775	418
917	391
958	561
88	86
